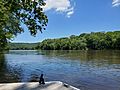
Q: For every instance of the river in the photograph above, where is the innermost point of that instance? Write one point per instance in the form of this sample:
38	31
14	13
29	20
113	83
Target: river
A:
87	70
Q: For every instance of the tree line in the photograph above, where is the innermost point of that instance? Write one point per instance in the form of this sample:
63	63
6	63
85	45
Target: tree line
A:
22	46
85	41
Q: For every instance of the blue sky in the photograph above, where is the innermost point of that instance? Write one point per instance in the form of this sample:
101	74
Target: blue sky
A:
73	17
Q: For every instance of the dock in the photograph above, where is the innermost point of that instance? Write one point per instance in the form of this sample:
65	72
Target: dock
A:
52	85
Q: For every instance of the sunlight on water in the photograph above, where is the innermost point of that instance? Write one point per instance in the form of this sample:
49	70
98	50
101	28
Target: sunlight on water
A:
98	69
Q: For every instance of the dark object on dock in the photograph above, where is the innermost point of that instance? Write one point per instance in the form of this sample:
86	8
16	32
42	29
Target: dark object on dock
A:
41	81
66	85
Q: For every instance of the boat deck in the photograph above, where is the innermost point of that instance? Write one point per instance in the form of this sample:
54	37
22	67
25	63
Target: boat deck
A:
53	85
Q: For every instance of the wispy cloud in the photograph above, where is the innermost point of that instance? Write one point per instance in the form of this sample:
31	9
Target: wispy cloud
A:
63	6
70	12
116	3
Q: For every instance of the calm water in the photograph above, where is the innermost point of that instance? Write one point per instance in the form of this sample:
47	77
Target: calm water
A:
88	70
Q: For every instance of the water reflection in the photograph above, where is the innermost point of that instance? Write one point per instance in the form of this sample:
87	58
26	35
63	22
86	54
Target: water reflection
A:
78	68
104	56
8	73
2	65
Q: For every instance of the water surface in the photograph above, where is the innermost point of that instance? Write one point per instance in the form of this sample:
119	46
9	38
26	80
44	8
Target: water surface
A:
87	70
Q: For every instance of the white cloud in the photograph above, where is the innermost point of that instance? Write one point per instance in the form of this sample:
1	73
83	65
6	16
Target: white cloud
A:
70	13
64	6
116	3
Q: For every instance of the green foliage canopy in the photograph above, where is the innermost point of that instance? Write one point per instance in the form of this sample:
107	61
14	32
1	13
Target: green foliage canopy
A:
13	13
22	46
85	41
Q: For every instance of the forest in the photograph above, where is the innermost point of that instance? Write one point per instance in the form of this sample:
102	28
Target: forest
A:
85	41
22	46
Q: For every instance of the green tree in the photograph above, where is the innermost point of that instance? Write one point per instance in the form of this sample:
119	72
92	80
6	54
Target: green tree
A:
94	41
13	13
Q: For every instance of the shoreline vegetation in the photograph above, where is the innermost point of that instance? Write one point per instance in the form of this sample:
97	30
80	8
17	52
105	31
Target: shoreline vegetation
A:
85	41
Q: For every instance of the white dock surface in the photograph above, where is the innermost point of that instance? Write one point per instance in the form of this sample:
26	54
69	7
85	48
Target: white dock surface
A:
53	85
